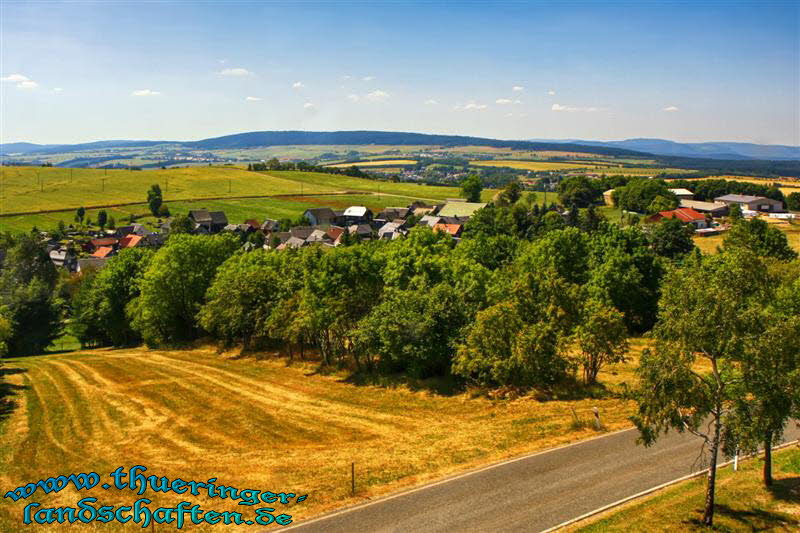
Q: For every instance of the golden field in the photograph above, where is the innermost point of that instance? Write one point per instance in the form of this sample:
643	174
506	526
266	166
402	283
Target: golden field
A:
261	423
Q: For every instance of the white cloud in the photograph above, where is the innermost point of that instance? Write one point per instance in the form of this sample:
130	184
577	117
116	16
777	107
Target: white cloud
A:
575	109
517	101
518	88
235	72
15	78
308	105
551	92
145	92
23	82
431	101
346	77
298	85
57	89
671	109
353	97
502	101
377	96
252	99
471	106
368	78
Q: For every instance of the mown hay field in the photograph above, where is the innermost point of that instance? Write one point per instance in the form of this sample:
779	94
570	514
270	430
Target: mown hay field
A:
262	424
710	244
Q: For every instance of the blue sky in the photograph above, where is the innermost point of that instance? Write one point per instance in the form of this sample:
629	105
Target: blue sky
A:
687	71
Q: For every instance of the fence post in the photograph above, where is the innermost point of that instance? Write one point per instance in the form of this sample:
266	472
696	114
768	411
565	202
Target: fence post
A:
597	423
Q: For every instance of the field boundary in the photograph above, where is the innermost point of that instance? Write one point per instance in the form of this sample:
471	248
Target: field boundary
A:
246	197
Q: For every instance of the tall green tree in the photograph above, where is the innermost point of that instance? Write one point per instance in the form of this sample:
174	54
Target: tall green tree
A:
154	199
672	238
174	286
761	238
706	316
471	188
102	218
601	338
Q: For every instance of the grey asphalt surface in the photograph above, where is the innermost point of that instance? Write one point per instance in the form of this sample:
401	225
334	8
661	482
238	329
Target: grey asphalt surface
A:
529	494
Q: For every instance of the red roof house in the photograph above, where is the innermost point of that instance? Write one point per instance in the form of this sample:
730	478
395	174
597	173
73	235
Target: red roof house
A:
103	252
130	241
686	215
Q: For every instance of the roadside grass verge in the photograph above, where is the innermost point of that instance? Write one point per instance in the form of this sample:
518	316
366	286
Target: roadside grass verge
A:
743	504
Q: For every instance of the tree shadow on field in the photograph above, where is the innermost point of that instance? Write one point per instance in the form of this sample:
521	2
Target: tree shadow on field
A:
447	385
786	489
8	391
753	519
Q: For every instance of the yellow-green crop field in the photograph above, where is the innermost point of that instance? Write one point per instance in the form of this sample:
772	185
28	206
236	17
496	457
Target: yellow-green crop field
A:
38	189
533	165
379	163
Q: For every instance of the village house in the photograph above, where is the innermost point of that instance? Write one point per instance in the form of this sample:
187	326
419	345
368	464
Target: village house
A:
357	214
210	221
64	258
130	241
392	230
684	214
715	209
453	229
320	216
751	203
683	194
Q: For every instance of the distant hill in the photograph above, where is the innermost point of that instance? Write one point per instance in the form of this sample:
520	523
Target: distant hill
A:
706	150
284	138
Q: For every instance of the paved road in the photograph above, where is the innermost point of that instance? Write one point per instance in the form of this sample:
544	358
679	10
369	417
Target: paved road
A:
529	494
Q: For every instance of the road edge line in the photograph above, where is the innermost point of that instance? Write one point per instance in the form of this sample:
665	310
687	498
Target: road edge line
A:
653	489
452	477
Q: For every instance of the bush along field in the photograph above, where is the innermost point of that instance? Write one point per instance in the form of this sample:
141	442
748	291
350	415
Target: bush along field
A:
529	314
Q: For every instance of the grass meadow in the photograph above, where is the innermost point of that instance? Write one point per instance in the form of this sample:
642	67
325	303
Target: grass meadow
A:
41	196
264	423
743	504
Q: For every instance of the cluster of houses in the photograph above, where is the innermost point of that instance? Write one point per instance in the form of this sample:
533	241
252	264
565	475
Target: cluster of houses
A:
330	227
701	214
93	251
326	227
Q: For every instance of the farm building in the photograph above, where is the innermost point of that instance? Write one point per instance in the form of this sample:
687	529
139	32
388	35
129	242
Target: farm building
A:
210	221
460	209
319	216
357	214
683	194
752	203
715	209
684	214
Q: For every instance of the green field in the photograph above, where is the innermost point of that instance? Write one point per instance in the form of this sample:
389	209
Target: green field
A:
237	210
36	191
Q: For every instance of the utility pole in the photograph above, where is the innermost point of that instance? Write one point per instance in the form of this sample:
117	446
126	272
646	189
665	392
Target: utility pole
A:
104	184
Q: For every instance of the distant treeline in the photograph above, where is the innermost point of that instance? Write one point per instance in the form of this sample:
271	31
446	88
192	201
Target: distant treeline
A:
755	167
